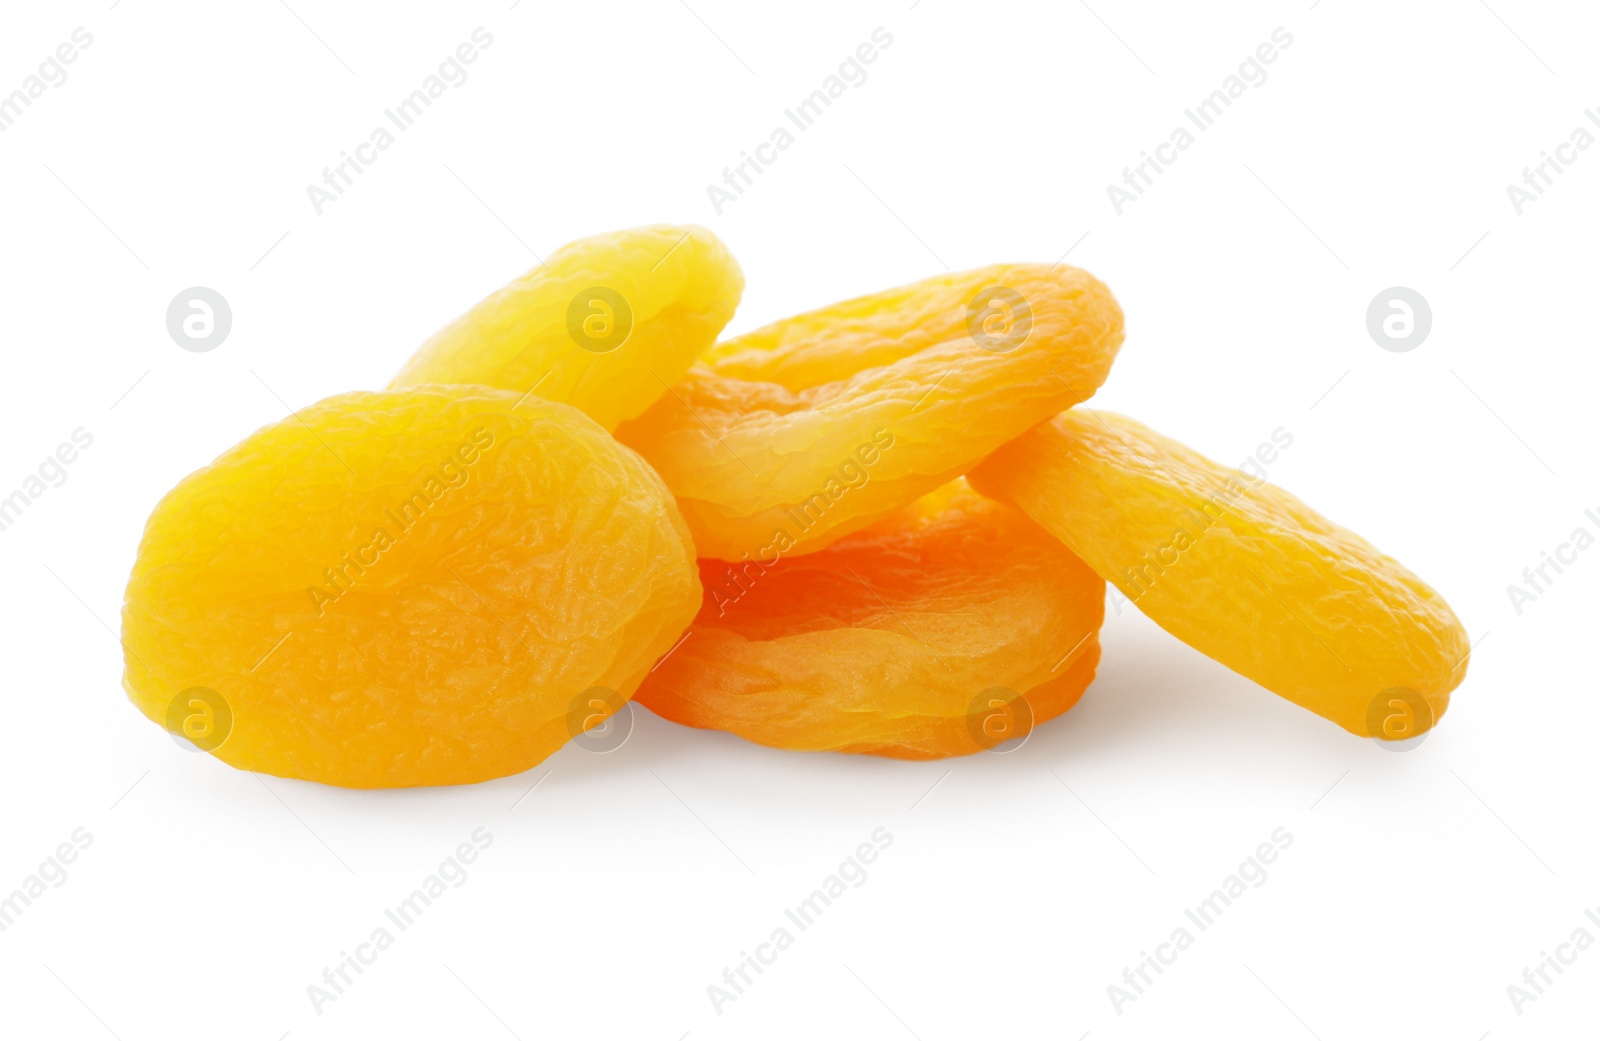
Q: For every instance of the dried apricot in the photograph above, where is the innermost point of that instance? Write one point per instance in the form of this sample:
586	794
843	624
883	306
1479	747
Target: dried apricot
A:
1240	570
606	324
950	627
404	588
803	431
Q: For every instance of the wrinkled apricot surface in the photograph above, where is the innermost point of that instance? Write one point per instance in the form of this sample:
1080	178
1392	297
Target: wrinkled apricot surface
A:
950	627
405	588
796	434
604	324
1240	570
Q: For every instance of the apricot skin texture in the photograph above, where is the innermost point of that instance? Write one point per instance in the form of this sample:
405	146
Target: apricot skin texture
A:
407	588
1240	570
665	291
892	640
760	442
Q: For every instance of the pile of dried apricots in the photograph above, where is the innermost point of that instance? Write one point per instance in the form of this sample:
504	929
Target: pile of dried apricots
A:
878	527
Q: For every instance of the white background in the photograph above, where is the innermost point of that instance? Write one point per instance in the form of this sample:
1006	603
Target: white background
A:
1419	885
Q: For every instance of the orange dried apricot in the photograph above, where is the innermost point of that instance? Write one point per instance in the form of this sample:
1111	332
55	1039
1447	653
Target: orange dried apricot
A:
1240	570
404	588
605	324
818	425
950	627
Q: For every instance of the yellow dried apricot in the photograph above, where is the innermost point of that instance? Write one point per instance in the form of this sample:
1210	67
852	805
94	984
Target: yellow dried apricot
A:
813	427
605	324
950	627
405	588
1240	570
